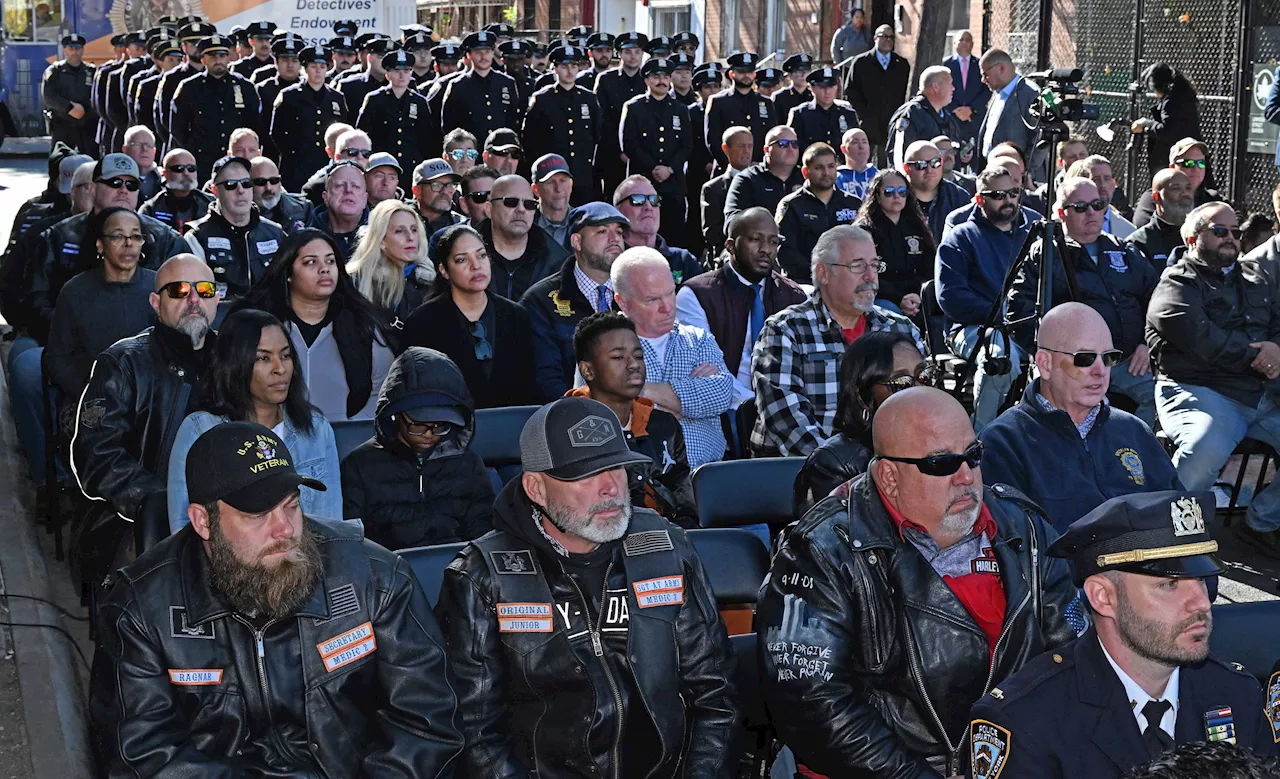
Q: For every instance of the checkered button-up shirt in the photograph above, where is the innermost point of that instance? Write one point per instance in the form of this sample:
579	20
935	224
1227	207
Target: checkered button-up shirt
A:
702	400
795	372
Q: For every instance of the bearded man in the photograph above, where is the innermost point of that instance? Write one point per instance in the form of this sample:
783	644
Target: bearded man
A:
589	614
256	641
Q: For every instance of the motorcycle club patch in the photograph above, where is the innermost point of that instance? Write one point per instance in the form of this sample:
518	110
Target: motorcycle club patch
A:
179	628
195	677
524	618
663	591
347	647
518	561
1273	706
990	749
91	412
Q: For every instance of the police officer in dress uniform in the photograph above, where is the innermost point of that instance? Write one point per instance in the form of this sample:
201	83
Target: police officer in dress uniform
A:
1141	680
514	54
356	87
564	119
97	99
706	77
600	50
115	95
446	57
300	117
259	35
168	53
685	43
739	104
286	49
209	106
482	99
657	138
797	68
614	88
823	118
395	116
342	50
767	81
190	34
68	90
418	43
154	36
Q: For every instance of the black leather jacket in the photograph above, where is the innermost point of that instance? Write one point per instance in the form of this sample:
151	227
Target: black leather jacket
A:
238	256
827	467
540	702
869	662
183	685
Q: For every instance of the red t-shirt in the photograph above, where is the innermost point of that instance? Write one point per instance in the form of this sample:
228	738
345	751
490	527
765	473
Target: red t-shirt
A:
852	334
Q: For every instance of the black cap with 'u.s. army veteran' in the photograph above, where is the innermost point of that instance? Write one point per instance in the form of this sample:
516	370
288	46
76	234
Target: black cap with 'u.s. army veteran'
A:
1152	533
574	438
244	465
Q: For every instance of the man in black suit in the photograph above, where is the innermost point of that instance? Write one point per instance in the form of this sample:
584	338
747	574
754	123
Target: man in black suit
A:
738	145
877	86
969	103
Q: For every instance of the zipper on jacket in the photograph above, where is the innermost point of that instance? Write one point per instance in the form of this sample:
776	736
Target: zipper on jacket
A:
917	675
260	659
593	628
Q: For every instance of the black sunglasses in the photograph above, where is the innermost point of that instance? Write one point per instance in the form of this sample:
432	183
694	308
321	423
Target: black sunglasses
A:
1110	358
180	168
418	428
514	154
1097	204
479	197
639	200
484	350
231	185
1222	231
130	184
936	162
924	379
1000	194
262	182
366	153
942	464
180	290
512	202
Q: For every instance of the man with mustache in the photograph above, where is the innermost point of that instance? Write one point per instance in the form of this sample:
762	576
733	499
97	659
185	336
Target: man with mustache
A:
325	639
583	631
1142	680
895	605
181	200
1173	197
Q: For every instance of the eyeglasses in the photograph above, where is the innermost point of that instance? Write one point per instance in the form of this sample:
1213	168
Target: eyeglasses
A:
419	428
942	464
1097	204
140	146
1190	164
936	162
484	351
458	154
180	290
366	153
263	181
514	154
638	200
860	267
1222	231
924	379
130	184
786	143
121	238
180	168
1110	358
479	197
231	185
437	186
895	191
512	202
1000	194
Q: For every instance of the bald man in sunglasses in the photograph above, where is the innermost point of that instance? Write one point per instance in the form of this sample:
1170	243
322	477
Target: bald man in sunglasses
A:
139	391
898	602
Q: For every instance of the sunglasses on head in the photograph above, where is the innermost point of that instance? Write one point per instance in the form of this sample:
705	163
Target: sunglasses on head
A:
639	200
936	162
231	185
895	191
479	197
263	181
115	183
1110	358
1190	164
180	168
458	154
366	153
180	290
512	202
1000	194
942	464
1222	231
1097	204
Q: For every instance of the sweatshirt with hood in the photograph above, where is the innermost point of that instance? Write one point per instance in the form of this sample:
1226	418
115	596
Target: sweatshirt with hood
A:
441	496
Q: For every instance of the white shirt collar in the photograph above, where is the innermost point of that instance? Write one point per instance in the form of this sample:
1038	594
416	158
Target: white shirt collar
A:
1138	697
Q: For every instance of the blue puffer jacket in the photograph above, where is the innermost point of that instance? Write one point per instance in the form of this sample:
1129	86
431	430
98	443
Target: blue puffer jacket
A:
1120	455
972	261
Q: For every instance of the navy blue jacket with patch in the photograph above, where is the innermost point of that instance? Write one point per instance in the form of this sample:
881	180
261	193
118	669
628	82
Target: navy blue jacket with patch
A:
1119	456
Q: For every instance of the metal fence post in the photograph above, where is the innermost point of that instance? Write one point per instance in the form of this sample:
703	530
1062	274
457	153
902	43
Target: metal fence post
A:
1243	104
1136	90
1044	39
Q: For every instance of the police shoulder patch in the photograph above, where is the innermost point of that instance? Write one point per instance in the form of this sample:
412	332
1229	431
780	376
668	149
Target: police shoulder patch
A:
1272	707
990	744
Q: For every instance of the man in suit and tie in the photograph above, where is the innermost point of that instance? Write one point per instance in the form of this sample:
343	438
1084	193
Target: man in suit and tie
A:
1008	116
877	86
969	103
739	145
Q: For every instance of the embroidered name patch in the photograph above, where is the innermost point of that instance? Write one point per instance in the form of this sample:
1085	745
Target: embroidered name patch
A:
524	617
348	647
664	591
193	677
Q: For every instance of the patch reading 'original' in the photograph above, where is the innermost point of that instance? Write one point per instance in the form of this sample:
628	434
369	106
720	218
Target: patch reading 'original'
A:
347	647
524	618
194	677
517	561
178	627
990	749
663	591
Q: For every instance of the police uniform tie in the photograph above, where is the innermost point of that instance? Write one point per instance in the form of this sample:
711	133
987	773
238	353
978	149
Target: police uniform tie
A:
1158	741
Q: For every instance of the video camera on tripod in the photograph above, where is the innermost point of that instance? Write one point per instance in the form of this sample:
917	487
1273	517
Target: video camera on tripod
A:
1060	99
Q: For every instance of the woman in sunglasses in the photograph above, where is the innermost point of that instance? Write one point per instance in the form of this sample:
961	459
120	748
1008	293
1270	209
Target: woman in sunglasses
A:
903	240
487	336
875	366
254	377
342	347
390	265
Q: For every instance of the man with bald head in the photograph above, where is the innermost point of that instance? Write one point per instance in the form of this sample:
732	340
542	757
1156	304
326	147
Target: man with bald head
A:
1214	331
139	392
285	209
519	255
922	165
1104	274
1099	452
180	200
916	547
766	183
1173	197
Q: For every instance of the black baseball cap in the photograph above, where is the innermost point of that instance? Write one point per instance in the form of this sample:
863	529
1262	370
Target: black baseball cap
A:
502	139
244	465
573	438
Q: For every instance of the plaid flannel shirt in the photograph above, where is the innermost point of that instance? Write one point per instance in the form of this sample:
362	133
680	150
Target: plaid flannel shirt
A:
702	400
795	372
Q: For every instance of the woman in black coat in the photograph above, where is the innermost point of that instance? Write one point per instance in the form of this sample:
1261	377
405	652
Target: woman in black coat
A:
1176	114
487	336
902	237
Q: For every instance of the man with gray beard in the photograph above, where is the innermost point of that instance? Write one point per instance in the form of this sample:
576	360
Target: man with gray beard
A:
285	209
232	605
180	200
584	612
139	391
898	601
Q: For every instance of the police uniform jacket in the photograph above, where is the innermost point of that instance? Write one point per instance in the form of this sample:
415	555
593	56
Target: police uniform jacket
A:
249	65
298	122
422	81
565	122
117	97
730	107
657	132
480	104
531	646
98	100
238	256
355	88
917	121
802	217
907	250
786	99
398	125
63	85
207	110
1066	715
757	186
613	89
556	305
813	123
587	78
169	84
142	97
177	212
270	89
434	92
870	663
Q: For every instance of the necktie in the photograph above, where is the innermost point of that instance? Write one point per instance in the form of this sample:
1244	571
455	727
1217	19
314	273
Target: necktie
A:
602	298
1158	741
964	72
757	311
